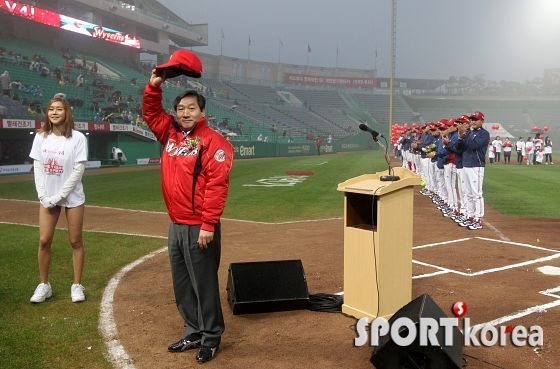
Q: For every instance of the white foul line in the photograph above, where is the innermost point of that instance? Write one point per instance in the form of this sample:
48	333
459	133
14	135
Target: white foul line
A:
107	325
522	313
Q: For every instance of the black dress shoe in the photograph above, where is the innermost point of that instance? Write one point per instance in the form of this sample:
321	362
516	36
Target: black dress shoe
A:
183	345
206	353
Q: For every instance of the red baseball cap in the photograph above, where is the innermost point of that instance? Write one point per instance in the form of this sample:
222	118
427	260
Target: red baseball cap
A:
182	62
477	115
464	118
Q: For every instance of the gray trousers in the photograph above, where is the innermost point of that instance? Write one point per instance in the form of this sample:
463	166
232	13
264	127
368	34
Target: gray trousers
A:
195	282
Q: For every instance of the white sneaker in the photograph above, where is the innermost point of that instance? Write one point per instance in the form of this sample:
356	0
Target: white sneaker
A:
42	292
77	293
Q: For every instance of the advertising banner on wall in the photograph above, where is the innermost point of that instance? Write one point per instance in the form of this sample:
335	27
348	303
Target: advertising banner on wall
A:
53	19
330	81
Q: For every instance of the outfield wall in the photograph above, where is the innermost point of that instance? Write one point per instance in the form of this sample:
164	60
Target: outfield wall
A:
257	149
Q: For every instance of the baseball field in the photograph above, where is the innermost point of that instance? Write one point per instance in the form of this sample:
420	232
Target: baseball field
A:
277	209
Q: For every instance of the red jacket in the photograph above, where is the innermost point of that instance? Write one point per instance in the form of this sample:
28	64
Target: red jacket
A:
194	169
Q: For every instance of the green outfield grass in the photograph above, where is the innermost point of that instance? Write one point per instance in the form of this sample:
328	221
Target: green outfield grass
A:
60	334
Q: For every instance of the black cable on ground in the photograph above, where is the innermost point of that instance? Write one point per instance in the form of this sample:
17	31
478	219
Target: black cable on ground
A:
325	302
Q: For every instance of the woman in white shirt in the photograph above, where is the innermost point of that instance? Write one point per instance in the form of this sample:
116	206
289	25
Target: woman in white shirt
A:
60	154
520	147
497	145
548	150
529	150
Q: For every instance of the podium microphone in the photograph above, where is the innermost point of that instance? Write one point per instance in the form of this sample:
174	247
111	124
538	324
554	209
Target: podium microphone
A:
365	128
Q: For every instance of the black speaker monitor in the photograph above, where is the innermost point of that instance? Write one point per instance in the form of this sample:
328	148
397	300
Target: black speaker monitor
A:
265	286
389	355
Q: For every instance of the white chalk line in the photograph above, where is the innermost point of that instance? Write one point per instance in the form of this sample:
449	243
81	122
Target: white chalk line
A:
228	219
443	270
535	309
107	326
90	231
495	230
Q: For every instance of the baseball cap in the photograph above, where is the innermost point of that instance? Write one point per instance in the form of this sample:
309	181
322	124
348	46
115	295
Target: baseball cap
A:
451	122
182	62
464	118
60	95
477	115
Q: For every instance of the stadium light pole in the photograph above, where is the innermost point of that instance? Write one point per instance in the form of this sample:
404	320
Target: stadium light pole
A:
392	72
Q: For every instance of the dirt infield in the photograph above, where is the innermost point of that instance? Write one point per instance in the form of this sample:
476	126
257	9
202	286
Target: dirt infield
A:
494	270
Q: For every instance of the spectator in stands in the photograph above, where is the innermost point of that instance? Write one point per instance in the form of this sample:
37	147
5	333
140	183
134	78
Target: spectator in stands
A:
61	82
97	117
16	85
45	71
57	73
67	65
39	110
227	94
95	107
27	89
37	91
84	63
260	138
330	139
80	81
133	81
5	81
310	136
8	158
31	110
94	69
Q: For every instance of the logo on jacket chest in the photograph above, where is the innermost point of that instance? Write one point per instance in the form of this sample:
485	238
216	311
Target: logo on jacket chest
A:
185	148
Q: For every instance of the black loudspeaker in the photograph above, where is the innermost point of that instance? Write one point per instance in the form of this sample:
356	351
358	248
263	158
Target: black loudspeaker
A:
388	355
265	286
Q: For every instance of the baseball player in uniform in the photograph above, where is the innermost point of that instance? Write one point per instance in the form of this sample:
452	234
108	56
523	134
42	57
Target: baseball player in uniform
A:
474	143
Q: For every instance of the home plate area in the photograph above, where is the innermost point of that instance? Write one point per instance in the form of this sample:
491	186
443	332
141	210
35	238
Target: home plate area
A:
501	283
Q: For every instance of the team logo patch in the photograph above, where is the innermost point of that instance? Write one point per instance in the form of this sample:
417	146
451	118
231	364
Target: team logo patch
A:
220	156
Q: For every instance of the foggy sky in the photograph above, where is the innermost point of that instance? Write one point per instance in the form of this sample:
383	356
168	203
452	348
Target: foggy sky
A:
511	40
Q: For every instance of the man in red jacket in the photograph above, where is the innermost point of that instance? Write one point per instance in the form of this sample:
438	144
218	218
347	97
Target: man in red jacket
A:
318	143
196	162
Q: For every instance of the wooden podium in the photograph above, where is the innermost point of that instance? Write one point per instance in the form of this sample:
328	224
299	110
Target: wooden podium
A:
378	243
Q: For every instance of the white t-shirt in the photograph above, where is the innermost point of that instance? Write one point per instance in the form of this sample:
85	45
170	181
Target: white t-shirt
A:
537	142
548	149
58	155
529	147
520	146
539	156
497	144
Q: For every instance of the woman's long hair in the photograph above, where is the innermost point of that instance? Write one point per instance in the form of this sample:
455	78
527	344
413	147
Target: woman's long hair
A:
68	124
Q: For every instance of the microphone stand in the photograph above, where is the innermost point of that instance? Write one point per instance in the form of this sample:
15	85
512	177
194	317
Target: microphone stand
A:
390	177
